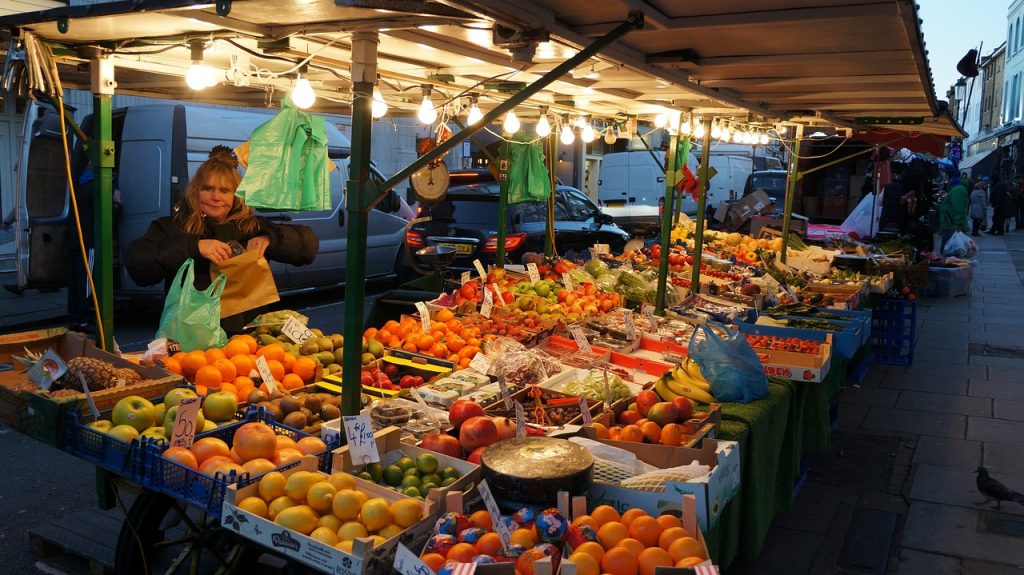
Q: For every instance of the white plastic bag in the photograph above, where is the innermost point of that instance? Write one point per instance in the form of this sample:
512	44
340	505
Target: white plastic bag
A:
960	245
861	220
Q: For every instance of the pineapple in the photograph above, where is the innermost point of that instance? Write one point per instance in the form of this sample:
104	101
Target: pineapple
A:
97	373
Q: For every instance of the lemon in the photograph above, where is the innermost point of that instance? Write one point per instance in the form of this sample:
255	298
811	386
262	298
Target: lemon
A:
299	518
278	505
325	535
272	485
390	531
342	481
330	521
254	505
346	505
406	512
298	484
320	496
376	513
352	530
345	546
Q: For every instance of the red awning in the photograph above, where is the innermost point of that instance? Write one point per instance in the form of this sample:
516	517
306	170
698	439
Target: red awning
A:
933	144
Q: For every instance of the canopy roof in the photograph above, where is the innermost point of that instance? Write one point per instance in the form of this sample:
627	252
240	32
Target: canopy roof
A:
852	63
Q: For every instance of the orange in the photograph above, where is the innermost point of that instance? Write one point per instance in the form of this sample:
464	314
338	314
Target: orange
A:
258	466
585	563
286	455
287	360
462	553
604	513
229	387
671	434
619	561
236	347
211	465
192	362
630	515
172	365
669	536
666	521
685	547
651	431
311	445
244	364
276	369
243	382
249	340
255	440
481	519
434	560
635	547
601	430
209	376
652	558
208	447
201	390
305	367
690	562
272	351
291	381
179	357
445	315
284	441
370	332
646	530
425	343
228	370
213	354
592	548
611	533
488	544
631	433
182	456
525	537
586	520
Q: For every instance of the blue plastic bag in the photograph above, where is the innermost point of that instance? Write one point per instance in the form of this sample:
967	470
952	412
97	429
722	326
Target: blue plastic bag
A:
729	364
192	317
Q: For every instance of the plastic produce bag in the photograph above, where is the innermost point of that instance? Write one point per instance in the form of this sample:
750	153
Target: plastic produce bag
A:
192	317
528	177
861	220
729	364
288	167
960	245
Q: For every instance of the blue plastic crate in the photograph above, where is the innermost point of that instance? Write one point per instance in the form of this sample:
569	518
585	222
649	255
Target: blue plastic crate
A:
195	488
894	332
103	450
856	372
845	343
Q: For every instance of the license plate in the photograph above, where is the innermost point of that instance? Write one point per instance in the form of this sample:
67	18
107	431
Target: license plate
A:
615	204
461	249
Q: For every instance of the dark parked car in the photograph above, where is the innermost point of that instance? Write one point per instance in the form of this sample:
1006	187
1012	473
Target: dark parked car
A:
772	182
467	219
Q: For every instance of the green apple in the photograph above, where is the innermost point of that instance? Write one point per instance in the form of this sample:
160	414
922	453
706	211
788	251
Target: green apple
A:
102	425
177	394
220	406
161	411
156	432
134	411
125	433
211	425
172	413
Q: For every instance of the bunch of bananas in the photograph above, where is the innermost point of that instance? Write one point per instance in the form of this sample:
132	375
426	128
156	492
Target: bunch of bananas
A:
684	380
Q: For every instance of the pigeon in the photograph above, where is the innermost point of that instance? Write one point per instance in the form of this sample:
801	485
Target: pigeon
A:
993	489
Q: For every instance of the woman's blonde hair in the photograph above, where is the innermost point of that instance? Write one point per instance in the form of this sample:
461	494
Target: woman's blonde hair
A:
221	164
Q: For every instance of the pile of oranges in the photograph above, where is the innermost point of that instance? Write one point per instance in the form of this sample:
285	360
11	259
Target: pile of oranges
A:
448	339
231	368
634	543
255	449
644	431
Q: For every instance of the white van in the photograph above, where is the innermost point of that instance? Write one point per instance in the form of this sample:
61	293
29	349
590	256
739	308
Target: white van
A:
631	187
157	149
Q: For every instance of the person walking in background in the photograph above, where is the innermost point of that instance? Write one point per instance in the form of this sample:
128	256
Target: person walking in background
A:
979	202
1015	203
953	211
999	198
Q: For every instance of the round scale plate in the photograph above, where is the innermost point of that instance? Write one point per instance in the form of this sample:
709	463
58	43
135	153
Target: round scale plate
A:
430	183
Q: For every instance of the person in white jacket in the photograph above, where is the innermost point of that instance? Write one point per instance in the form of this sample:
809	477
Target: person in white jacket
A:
979	200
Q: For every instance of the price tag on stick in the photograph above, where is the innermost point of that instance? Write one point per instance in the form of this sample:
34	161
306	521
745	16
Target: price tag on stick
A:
424	316
520	420
505	397
581	340
497	521
488	305
265	374
585	411
497	294
184	432
531	269
480	270
88	398
361	443
465	278
649	314
607	389
407	563
295	331
567	281
627	316
480	362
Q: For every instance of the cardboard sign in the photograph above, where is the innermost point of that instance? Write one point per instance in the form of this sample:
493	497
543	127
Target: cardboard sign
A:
627	316
607	388
407	563
497	521
88	398
480	363
531	269
361	443
184	432
47	370
601	249
480	270
505	397
265	374
649	314
488	305
585	412
520	420
567	282
296	332
424	316
465	278
581	340
497	292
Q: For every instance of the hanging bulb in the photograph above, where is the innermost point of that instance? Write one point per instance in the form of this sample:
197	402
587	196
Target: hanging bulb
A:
686	127
511	123
427	113
725	136
660	120
378	107
567	137
475	115
764	139
302	93
781	130
543	126
737	137
698	130
588	134
609	136
716	130
200	76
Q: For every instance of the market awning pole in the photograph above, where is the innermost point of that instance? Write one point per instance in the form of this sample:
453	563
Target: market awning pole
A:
702	201
101	153
358	193
551	150
499	257
791	178
666	216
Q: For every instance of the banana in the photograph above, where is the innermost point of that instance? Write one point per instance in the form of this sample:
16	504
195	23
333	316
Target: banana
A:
693	370
662	389
689	390
683	378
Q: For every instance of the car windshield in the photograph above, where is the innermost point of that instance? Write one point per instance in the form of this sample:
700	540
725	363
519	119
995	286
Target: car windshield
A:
465	211
768	182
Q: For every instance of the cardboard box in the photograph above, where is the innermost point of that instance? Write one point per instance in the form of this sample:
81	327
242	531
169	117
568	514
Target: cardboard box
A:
797	366
707	427
39	340
796	225
733	215
319	556
711	492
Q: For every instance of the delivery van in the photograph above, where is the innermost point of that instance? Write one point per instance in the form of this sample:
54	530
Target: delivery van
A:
157	149
631	186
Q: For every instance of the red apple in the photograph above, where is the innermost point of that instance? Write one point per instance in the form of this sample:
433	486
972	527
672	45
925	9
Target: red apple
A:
685	408
462	410
476	432
475	456
506	427
629	417
644	400
442	443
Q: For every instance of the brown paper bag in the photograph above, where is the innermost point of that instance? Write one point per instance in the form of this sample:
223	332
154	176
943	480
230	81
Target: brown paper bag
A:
250	283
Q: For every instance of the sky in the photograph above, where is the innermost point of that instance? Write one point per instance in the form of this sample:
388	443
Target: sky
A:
951	28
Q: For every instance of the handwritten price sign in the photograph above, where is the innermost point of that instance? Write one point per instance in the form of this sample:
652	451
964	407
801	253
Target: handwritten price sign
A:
265	374
295	331
361	443
184	432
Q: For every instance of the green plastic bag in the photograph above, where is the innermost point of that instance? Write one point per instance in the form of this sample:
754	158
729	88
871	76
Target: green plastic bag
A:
288	165
528	177
192	317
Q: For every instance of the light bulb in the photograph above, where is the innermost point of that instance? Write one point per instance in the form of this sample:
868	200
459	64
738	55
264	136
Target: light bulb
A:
475	115
567	137
378	107
716	130
200	76
737	137
302	94
724	137
686	127
660	120
427	113
781	130
511	123
764	139
543	127
698	131
587	134
609	137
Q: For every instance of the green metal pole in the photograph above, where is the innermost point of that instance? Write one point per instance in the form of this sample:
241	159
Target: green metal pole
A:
358	191
666	218
791	178
499	258
549	230
101	149
702	202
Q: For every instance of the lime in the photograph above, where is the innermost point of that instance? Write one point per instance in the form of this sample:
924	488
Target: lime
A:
450	472
426	463
411	471
393	475
405	463
426	487
376	471
365	475
411	481
432	478
411	491
448	481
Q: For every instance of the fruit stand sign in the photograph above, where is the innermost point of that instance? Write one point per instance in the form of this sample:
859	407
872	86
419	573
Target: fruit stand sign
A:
649	314
465	278
567	281
265	374
485	308
361	443
184	432
601	249
424	316
295	331
497	292
480	363
88	397
505	397
531	269
581	340
607	388
585	411
520	420
480	270
627	316
407	563
492	509
48	369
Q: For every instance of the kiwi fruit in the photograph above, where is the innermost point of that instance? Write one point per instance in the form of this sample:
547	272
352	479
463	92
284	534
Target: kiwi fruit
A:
329	412
295	420
289	404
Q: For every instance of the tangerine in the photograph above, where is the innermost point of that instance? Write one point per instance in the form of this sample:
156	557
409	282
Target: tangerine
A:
489	543
244	364
244	382
651	431
213	354
276	369
689	562
445	315
619	561
228	369
249	340
585	563
686	547
274	351
525	537
635	547
646	530
671	434
652	558
462	553
287	360
586	520
236	347
209	376
611	533
305	367
434	560
631	433
601	430
291	381
592	548
172	365
481	519
668	536
191	363
666	521
630	515
604	513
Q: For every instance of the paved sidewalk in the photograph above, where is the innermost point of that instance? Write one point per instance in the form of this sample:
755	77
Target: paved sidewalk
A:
32	306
